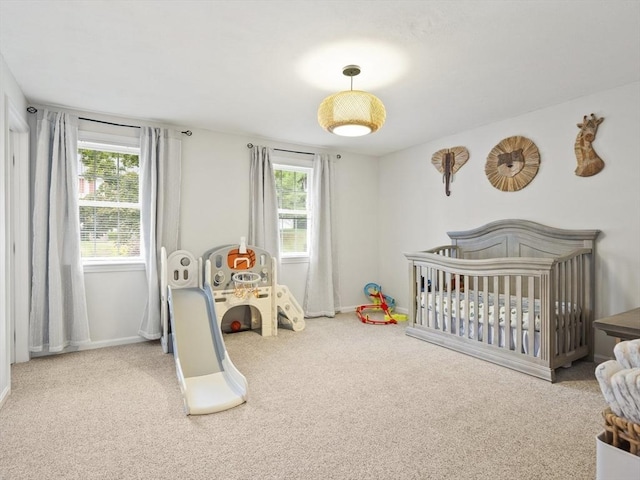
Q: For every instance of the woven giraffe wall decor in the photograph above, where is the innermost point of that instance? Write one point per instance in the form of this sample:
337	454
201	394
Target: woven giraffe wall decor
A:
448	161
589	163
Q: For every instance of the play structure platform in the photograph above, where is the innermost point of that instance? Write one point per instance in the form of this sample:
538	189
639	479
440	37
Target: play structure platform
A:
235	290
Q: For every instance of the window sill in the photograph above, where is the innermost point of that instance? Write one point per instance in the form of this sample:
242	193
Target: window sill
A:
102	267
300	259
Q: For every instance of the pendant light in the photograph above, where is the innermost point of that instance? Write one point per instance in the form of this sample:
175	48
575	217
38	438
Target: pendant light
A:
351	113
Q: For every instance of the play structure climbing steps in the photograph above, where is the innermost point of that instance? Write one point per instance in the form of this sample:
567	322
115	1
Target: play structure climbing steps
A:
289	311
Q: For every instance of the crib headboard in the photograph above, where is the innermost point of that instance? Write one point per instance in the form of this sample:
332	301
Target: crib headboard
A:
520	238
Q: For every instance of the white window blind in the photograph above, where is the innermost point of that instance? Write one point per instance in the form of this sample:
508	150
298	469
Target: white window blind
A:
293	185
109	201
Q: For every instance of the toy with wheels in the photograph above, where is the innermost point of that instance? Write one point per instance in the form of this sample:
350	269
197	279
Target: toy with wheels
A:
382	303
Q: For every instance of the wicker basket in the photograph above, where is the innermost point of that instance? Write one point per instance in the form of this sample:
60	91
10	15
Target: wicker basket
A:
621	433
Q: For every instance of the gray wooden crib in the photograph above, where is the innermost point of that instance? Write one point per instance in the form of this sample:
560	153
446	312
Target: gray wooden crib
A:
513	292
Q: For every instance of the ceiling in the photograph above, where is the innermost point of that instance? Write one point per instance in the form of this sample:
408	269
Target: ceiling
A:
261	68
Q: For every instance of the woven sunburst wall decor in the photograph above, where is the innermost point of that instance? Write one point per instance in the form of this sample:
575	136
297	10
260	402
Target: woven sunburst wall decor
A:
512	164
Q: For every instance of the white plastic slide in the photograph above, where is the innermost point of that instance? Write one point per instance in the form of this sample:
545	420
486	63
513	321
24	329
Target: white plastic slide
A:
208	379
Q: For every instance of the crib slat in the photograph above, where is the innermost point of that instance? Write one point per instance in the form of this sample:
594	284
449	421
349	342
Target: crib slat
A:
547	340
532	316
447	326
572	303
496	311
426	313
485	310
565	307
456	301
474	298
556	319
440	317
553	320
424	296
588	300
463	293
519	314
419	295
432	298
421	301
507	312
560	317
565	310
581	301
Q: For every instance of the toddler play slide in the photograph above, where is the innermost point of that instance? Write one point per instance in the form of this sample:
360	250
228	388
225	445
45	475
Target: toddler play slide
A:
194	304
208	379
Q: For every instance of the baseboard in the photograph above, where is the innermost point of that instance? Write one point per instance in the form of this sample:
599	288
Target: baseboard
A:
115	342
4	395
601	358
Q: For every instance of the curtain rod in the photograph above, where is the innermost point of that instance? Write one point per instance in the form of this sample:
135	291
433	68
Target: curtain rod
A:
188	133
250	145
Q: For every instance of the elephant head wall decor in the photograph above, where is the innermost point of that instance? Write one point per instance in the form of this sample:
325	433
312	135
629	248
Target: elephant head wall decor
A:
448	161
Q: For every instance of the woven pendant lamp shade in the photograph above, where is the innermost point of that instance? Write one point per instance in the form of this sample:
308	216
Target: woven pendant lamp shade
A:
351	113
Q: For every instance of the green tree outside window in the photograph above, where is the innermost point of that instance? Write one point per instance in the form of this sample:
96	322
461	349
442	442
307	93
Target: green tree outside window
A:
292	189
109	204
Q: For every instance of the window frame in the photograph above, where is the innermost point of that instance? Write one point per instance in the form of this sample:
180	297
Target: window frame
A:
300	165
117	144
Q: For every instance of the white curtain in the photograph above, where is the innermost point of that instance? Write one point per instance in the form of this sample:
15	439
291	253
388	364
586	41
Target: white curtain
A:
58	316
160	171
321	295
263	208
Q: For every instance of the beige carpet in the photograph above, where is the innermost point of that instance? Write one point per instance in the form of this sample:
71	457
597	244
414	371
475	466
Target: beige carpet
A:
339	400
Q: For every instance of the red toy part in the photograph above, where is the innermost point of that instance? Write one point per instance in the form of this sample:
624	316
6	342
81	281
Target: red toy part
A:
382	305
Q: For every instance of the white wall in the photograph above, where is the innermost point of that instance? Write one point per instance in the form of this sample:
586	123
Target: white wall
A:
115	303
215	207
215	212
412	194
10	97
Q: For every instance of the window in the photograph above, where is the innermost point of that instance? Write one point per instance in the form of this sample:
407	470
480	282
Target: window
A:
293	185
109	201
